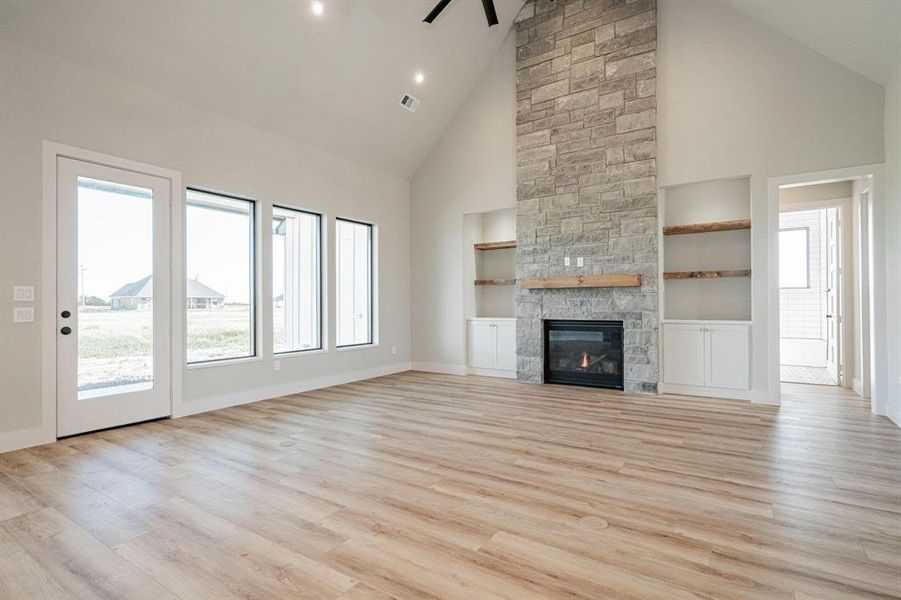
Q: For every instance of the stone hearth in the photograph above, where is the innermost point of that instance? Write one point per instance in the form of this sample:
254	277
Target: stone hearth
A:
586	181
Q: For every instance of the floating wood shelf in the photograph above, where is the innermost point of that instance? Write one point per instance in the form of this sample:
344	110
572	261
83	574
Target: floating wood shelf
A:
707	227
706	274
583	281
495	245
495	282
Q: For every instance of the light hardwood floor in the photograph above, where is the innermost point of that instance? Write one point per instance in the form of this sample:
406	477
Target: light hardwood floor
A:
435	486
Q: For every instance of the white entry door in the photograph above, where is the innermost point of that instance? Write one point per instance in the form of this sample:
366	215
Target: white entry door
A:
833	307
113	303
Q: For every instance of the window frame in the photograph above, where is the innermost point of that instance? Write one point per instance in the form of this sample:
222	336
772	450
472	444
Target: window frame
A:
320	298
372	323
806	231
254	284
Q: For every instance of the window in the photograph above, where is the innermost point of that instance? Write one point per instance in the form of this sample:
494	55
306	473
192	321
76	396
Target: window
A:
220	286
794	265
295	280
354	282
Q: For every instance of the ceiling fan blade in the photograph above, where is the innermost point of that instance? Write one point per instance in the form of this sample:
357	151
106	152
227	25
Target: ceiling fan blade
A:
436	11
490	13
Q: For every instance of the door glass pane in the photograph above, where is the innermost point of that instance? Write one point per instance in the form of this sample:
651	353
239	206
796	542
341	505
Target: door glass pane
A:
295	280
115	288
220	283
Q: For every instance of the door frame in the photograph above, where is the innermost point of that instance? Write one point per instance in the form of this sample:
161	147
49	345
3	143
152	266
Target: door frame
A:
846	292
52	151
874	338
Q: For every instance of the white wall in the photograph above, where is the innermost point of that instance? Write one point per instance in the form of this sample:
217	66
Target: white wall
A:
893	240
836	190
471	169
45	98
737	98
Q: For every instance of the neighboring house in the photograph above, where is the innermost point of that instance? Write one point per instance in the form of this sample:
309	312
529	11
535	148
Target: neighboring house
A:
139	294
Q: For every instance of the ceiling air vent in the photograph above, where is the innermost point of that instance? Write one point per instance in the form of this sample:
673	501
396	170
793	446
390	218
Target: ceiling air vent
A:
409	102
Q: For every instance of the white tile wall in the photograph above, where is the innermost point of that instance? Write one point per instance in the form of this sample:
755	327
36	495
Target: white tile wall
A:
802	312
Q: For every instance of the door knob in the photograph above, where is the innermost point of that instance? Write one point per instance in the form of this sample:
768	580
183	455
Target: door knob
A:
66	330
65	314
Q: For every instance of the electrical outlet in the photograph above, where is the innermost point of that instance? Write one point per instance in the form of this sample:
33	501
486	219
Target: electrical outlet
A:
23	314
23	293
580	262
276	365
393	349
565	261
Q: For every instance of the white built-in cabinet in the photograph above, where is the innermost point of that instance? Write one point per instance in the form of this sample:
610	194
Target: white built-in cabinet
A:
706	358
705	295
492	347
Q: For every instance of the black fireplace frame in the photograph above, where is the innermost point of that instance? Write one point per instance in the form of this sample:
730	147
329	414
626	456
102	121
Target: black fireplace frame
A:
591	380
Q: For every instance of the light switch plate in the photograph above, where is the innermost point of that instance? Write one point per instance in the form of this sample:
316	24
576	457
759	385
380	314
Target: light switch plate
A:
565	261
23	314
23	293
580	262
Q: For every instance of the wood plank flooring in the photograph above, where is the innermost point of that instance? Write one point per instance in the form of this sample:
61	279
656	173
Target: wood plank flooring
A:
435	486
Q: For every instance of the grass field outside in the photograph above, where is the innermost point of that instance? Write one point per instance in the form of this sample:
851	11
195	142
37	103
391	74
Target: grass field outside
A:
115	347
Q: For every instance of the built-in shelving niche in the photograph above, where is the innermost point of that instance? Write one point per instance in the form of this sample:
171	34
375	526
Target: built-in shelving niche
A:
489	263
706	250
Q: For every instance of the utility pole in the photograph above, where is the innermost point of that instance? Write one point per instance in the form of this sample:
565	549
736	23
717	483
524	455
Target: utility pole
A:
81	270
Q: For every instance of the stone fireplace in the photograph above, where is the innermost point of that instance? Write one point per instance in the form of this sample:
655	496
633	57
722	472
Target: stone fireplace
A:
586	180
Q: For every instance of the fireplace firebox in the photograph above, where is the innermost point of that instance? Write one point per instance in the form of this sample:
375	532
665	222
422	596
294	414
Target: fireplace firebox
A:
584	353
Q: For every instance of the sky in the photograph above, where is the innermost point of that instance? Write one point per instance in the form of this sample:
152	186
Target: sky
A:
115	245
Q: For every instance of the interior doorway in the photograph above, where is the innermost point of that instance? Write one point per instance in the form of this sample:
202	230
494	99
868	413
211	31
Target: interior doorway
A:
809	296
862	342
819	313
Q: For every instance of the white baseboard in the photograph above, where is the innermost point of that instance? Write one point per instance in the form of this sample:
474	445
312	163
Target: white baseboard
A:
201	405
765	397
503	373
857	386
25	438
893	412
707	392
431	367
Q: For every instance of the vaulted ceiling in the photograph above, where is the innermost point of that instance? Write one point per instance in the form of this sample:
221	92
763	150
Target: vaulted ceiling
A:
862	35
332	81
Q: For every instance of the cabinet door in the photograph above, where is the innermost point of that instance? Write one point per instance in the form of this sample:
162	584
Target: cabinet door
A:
727	356
506	345
482	345
683	353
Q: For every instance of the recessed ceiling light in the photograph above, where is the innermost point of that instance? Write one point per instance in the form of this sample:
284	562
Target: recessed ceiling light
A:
419	78
318	8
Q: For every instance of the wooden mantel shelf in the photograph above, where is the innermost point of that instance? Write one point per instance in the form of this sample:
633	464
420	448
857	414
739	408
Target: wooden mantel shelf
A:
494	282
706	274
495	245
707	227
582	281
